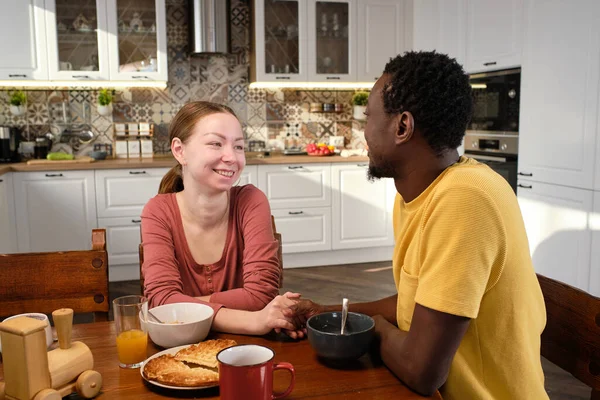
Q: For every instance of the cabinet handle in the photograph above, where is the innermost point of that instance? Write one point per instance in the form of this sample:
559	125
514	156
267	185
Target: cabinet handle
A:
525	174
81	76
375	78
282	77
137	172
136	221
139	77
525	186
329	78
295	212
54	175
17	76
487	64
362	165
300	167
1	180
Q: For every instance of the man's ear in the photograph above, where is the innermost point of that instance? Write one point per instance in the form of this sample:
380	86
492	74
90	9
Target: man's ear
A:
405	127
177	150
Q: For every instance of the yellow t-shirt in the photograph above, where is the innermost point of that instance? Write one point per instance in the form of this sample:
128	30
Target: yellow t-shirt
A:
461	248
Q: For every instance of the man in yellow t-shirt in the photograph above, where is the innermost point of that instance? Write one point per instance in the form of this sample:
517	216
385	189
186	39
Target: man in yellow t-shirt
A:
469	312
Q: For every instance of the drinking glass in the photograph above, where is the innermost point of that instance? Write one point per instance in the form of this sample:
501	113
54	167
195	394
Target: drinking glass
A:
132	335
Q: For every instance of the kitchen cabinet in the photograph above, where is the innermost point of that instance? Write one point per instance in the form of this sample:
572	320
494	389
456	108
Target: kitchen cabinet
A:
77	35
123	193
358	219
8	230
595	258
494	34
384	29
440	25
25	53
137	40
556	220
304	229
293	186
56	210
332	33
559	93
249	175
122	243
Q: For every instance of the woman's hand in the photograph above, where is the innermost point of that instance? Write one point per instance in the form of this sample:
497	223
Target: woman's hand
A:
277	314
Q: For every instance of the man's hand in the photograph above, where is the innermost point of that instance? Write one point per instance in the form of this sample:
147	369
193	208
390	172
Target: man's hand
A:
300	313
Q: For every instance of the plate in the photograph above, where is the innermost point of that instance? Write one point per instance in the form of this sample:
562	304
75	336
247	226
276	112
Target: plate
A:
170	351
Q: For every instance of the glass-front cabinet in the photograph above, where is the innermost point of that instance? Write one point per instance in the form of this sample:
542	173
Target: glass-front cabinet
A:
77	39
280	37
331	41
137	40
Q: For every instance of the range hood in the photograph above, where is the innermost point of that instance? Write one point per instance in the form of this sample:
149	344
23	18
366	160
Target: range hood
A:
209	26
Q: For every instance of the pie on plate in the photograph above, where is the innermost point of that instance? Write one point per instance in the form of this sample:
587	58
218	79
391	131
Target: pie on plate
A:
186	367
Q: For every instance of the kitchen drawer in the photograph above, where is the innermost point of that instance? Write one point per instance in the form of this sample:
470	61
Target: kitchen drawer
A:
304	229
123	193
293	186
122	239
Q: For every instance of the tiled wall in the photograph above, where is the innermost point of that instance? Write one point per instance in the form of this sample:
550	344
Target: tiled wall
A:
224	79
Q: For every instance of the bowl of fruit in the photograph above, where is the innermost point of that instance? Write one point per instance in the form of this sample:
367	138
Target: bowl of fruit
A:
319	149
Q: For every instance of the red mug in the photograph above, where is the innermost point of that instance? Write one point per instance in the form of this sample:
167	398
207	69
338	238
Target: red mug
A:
246	372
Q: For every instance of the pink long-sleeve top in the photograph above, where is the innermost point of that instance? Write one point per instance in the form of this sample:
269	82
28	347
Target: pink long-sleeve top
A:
246	277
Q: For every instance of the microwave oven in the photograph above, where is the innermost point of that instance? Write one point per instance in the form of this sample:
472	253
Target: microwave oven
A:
496	97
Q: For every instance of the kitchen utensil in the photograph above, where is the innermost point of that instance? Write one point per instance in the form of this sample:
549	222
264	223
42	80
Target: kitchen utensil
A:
154	317
344	314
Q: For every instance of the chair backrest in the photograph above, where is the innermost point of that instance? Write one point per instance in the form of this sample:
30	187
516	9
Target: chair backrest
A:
44	282
275	234
571	338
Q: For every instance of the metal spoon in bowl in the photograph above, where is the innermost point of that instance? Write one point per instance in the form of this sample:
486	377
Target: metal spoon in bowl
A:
154	317
344	314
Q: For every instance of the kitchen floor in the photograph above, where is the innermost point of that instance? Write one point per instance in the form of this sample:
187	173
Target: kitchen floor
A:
365	282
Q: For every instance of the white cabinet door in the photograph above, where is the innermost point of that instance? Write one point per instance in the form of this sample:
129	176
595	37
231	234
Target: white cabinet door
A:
8	230
494	34
595	263
332	40
559	92
280	45
137	52
24	45
384	30
556	220
440	25
291	186
124	193
361	209
122	239
249	175
56	210
304	229
77	36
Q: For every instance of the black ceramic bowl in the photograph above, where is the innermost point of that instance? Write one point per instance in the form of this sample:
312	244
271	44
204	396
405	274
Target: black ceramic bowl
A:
325	338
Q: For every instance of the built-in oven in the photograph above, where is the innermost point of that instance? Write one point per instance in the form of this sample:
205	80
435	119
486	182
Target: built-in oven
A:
496	97
498	151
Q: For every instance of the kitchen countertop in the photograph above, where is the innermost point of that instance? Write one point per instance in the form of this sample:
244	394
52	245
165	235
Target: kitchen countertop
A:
166	162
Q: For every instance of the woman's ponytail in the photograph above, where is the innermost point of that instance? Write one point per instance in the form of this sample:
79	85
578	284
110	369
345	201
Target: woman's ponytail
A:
172	182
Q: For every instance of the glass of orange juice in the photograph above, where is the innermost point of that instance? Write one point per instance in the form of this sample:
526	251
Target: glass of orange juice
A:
132	336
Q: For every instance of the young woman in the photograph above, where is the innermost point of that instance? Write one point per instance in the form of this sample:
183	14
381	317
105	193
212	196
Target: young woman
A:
206	240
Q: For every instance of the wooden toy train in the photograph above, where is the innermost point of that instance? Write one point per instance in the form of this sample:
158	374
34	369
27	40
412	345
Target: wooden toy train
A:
33	373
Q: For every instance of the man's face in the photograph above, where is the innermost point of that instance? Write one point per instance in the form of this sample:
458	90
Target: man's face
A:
379	133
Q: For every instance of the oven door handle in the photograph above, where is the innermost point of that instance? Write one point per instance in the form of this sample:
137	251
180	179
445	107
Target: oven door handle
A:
486	158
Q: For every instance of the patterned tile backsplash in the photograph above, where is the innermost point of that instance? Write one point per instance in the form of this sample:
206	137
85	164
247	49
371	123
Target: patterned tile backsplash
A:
280	117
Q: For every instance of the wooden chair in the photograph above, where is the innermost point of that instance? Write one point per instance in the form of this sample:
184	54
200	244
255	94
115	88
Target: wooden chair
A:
276	234
44	282
571	339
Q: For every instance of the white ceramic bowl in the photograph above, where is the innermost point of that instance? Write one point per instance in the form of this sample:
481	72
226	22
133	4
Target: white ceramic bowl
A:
185	323
41	317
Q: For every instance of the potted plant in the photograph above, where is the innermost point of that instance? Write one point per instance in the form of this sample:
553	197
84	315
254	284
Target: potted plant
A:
105	98
359	102
18	102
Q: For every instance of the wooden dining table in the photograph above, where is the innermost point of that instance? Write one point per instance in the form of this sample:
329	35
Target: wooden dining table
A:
365	378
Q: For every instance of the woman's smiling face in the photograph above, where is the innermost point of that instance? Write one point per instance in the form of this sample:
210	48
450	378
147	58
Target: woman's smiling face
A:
214	155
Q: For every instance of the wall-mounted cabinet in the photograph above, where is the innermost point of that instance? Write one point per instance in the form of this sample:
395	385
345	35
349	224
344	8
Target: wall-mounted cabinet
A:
62	40
321	40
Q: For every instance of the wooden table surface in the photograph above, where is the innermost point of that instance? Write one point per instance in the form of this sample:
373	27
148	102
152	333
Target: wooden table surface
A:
366	378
